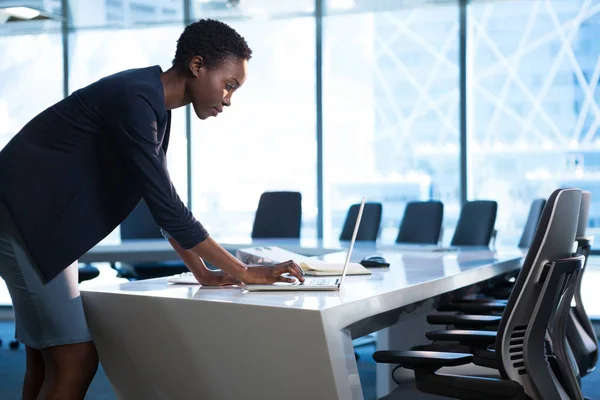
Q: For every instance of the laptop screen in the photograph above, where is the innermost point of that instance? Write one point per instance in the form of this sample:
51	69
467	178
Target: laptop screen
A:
356	225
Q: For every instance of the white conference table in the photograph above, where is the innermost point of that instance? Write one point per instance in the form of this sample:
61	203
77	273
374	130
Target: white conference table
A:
162	341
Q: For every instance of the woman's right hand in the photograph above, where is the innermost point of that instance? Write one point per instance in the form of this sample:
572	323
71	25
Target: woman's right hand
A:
273	273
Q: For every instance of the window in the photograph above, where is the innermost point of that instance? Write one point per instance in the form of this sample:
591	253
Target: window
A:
230	9
266	141
123	13
390	113
542	110
99	53
28	87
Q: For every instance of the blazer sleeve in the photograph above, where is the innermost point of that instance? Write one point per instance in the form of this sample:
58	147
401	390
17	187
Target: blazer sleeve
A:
133	125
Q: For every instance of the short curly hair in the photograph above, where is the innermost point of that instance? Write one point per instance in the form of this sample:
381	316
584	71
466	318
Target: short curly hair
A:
213	40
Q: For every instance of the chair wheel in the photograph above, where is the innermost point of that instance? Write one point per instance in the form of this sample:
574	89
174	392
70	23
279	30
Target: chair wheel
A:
13	344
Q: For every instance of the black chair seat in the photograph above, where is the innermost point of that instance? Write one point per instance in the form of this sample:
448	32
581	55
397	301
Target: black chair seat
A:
155	270
475	225
369	223
421	223
278	215
87	272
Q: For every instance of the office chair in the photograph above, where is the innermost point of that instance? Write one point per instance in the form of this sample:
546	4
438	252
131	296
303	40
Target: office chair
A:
421	223
87	272
140	225
369	224
528	365
278	215
494	299
533	218
580	331
581	336
501	287
475	224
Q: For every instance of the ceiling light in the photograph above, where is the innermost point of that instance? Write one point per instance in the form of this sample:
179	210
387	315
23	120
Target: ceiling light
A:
22	12
14	14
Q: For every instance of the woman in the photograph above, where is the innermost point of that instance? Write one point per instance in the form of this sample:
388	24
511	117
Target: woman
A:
75	171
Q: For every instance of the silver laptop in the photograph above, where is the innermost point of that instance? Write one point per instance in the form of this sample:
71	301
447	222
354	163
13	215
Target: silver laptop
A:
314	283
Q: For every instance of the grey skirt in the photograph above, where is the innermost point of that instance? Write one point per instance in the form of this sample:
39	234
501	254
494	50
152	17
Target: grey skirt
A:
47	314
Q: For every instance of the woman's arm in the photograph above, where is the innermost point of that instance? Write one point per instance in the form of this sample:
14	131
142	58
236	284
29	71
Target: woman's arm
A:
197	267
212	252
235	270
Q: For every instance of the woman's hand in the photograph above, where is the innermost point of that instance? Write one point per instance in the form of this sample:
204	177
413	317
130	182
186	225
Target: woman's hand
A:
216	278
272	273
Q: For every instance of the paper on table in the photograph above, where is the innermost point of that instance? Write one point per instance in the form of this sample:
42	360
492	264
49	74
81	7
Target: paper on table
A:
310	266
321	268
268	255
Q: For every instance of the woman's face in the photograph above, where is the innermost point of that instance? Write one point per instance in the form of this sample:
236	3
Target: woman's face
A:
211	89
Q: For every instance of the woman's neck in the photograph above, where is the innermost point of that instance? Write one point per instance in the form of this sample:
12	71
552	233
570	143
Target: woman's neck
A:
174	89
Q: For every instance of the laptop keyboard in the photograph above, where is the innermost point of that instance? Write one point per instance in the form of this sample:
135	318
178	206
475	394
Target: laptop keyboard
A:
320	281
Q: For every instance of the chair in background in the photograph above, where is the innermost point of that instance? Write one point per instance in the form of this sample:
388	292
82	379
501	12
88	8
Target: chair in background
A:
369	224
140	225
87	272
530	350
278	215
421	223
533	218
500	288
476	222
580	331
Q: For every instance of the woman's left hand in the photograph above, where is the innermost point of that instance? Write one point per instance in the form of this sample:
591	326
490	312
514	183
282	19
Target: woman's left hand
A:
216	278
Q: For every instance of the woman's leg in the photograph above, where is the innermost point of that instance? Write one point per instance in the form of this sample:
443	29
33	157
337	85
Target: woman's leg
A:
34	374
70	370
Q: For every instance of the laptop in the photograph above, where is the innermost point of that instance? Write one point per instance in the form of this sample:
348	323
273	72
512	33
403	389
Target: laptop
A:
314	284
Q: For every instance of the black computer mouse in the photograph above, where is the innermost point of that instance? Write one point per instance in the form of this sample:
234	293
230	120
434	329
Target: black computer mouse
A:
374	262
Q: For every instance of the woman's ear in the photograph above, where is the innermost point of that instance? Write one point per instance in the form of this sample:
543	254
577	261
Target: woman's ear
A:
196	65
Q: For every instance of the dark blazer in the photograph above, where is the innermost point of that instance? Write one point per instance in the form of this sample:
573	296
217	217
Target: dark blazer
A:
75	171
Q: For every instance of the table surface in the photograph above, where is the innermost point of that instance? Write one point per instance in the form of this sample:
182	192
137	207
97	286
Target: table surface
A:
408	271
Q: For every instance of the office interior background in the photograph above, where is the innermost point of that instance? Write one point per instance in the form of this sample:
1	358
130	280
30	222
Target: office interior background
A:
395	100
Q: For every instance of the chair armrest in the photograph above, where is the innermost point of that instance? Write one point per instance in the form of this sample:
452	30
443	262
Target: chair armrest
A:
469	338
472	321
475	307
584	241
429	360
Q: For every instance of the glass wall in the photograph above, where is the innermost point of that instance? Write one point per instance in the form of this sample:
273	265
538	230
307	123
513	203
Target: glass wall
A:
95	54
123	13
533	104
266	140
390	95
27	86
390	110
